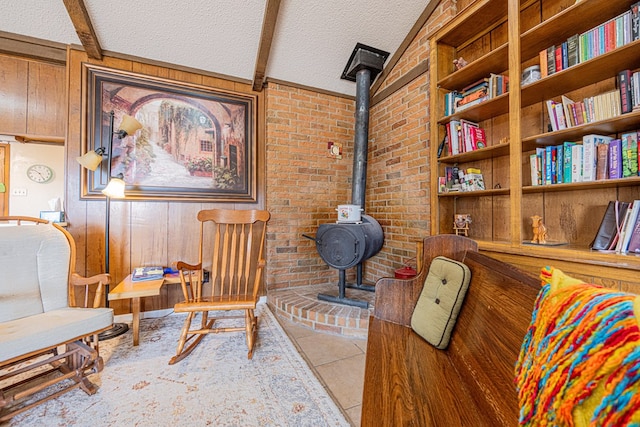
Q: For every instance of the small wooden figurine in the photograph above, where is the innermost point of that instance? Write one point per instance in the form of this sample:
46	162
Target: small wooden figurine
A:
461	224
459	63
539	230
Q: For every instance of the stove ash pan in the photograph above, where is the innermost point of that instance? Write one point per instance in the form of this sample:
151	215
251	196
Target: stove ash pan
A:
343	246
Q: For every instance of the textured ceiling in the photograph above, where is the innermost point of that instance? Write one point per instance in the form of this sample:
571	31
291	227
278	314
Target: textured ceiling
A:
312	41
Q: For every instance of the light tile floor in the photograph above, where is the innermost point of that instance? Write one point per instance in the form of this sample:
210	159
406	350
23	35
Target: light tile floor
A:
338	361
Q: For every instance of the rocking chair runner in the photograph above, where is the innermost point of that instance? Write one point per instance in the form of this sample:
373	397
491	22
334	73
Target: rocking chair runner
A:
234	242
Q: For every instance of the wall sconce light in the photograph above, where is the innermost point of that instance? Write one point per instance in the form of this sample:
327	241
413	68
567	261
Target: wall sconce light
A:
114	189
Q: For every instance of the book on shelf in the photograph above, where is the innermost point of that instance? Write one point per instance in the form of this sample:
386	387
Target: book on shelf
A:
602	161
567	161
635	21
629	154
629	226
624	86
590	145
615	159
576	163
551	60
140	274
551	111
634	239
534	165
610	227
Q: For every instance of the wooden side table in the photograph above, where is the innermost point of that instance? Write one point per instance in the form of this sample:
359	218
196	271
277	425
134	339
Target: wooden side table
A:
136	290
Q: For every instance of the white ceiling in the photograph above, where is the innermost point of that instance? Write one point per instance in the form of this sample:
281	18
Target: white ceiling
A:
311	45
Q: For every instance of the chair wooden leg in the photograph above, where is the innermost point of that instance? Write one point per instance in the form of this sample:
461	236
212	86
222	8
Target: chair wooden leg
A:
251	327
183	352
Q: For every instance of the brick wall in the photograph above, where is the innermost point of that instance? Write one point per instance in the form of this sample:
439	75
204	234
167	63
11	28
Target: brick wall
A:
304	185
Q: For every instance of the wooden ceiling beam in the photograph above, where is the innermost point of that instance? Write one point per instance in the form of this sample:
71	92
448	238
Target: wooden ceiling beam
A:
268	29
80	18
426	14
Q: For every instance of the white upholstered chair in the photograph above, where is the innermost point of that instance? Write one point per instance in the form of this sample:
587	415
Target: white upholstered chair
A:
45	338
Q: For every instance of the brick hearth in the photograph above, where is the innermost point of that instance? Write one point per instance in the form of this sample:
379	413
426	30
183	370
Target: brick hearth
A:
301	305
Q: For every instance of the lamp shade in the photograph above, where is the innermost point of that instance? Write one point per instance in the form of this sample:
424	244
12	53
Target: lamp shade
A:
90	160
129	125
115	188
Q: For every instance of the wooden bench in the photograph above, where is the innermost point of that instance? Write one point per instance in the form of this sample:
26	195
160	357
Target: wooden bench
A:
408	382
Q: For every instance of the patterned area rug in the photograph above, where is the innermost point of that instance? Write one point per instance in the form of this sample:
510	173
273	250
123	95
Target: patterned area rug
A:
215	386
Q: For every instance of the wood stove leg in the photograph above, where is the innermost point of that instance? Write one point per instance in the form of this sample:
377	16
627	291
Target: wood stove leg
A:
358	284
341	298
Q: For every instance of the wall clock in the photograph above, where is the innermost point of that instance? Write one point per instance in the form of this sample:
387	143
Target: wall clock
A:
40	173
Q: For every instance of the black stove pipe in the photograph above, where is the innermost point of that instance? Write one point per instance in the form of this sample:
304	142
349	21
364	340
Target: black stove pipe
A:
361	141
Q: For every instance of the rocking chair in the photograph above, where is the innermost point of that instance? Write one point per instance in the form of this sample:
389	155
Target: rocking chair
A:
231	246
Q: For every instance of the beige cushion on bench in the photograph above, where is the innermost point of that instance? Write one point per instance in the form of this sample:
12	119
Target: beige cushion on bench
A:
440	301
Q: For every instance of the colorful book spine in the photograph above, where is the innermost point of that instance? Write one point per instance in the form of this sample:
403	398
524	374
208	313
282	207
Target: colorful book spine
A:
576	165
629	154
567	160
615	159
624	86
548	166
588	158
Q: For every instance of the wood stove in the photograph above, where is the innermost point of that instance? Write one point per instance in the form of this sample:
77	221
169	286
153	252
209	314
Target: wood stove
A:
346	245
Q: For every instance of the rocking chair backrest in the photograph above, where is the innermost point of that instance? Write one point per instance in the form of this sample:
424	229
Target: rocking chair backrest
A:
35	262
231	248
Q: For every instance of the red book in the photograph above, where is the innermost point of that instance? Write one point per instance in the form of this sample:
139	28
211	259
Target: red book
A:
558	58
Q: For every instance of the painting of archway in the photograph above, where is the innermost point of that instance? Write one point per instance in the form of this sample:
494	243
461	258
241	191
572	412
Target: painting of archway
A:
195	143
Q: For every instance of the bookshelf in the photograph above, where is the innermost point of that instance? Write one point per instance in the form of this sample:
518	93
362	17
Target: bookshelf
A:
510	39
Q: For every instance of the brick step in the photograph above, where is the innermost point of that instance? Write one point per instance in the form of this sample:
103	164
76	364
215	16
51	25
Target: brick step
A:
301	305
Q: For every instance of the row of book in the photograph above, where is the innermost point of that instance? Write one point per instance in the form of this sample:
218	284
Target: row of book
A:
567	113
595	158
619	229
608	36
462	136
475	93
457	179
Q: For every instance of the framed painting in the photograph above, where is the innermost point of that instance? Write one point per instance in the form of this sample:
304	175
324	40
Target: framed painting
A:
196	143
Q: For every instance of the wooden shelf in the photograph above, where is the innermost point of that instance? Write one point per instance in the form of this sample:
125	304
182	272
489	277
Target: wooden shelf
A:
569	253
564	24
594	70
481	193
480	154
622	123
571	211
465	25
493	62
39	138
483	111
581	186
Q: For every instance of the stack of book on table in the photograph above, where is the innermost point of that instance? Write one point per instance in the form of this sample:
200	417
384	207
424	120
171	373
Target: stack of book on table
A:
140	274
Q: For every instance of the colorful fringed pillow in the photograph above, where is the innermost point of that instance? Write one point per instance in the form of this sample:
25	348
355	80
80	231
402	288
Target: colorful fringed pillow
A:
580	360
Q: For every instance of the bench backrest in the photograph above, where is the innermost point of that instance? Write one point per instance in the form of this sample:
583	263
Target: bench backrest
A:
35	264
491	326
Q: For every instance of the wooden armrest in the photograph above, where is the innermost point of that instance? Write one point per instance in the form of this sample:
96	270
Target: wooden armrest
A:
78	280
181	265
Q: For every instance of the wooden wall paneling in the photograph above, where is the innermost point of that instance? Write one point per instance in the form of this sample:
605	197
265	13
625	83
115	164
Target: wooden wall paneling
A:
75	209
501	215
552	7
576	211
182	241
46	114
13	95
530	17
148	242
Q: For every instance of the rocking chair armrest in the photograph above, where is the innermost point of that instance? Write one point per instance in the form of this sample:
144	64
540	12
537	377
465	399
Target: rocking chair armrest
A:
78	280
181	265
